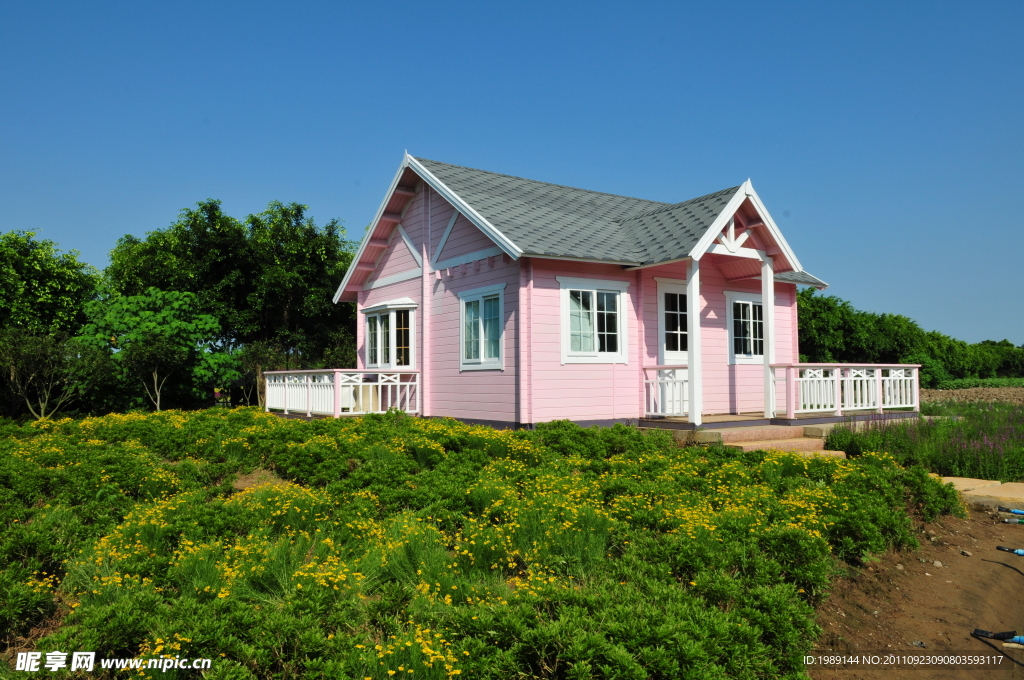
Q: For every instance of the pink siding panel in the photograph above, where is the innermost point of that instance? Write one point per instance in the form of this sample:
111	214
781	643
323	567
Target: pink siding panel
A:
478	395
464	238
395	260
578	391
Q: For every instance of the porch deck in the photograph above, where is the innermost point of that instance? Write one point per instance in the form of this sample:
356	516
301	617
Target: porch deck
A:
757	419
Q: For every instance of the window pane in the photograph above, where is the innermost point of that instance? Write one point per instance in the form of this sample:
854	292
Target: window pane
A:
581	320
371	340
675	322
471	351
403	351
741	327
757	330
492	328
607	322
385	338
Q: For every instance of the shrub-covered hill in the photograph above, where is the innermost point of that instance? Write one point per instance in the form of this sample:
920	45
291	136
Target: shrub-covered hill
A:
400	547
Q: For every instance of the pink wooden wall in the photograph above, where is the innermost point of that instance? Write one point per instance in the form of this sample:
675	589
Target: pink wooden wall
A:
465	238
473	395
582	392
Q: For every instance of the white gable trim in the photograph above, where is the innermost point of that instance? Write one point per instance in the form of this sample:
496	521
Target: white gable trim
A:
369	233
503	242
746	190
467	258
444	238
393	278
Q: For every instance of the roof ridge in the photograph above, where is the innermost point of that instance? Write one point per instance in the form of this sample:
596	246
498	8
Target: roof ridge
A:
551	184
670	206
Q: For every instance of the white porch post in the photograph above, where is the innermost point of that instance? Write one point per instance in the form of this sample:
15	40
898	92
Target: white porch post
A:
693	358
768	317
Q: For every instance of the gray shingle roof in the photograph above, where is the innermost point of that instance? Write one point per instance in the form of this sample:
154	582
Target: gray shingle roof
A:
560	221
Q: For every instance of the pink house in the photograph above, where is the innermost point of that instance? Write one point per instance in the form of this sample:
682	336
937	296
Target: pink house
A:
507	301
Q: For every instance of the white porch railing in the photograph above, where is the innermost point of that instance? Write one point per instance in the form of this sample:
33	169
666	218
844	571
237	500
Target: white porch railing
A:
338	392
666	391
835	388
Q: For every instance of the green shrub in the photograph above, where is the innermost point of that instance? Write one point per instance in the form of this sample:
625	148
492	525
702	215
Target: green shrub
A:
391	543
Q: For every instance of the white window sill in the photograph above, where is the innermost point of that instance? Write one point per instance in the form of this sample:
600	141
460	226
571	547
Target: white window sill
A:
613	359
482	367
747	361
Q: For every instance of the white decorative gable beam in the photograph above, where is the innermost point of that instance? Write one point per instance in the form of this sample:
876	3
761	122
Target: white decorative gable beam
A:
707	244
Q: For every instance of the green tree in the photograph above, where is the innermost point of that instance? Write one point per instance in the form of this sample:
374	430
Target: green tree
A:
157	335
267	279
832	330
42	289
49	371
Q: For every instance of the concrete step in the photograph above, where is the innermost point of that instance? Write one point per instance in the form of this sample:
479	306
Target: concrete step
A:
823	452
756	434
801	444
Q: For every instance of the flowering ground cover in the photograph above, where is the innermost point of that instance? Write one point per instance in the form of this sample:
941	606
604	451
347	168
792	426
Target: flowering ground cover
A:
980	440
390	546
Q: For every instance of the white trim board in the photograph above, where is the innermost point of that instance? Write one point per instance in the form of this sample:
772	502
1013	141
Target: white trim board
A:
467	258
394	278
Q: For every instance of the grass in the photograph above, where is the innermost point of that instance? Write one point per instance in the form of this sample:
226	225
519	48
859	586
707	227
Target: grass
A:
978	440
968	383
398	547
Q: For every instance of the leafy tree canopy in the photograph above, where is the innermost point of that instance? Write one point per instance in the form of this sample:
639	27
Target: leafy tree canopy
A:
159	334
832	330
42	290
269	278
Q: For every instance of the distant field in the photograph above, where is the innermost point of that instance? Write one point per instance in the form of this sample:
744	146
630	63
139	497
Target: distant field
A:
1009	395
391	546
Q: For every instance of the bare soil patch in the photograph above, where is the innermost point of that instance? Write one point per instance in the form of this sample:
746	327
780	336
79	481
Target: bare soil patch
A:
255	478
1009	395
882	608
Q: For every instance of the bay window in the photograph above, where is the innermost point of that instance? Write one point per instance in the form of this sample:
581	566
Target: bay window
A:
389	335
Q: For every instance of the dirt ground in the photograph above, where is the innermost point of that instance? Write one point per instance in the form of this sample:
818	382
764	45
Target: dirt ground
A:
1011	395
905	604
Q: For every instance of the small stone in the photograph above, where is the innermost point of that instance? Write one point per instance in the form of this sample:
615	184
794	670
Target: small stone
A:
930	532
900	567
934	539
965	553
936	563
927	574
917	643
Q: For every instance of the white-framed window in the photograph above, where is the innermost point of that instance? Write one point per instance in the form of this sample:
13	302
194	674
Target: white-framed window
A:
482	328
673	325
390	335
746	328
594	315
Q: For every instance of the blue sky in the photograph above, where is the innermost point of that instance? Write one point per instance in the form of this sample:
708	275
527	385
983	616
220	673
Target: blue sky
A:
885	138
